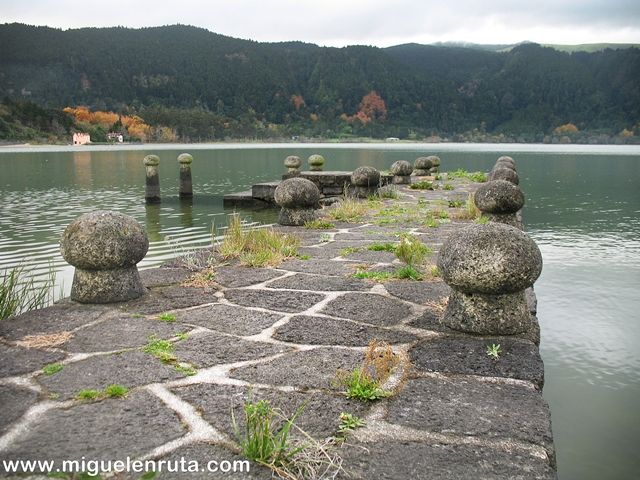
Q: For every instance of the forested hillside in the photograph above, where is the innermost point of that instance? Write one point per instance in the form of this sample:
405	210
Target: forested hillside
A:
204	86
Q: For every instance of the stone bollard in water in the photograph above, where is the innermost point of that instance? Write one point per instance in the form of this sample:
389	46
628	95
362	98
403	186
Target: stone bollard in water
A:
316	163
500	201
293	164
365	181
401	171
298	199
152	184
105	247
186	185
489	267
422	166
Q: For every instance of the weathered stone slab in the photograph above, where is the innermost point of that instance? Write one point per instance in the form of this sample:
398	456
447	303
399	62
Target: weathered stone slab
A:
18	360
320	283
281	301
170	298
468	355
308	369
229	319
62	317
243	200
130	369
119	331
418	292
203	453
207	349
234	277
310	330
264	191
432	461
320	417
469	407
108	430
319	267
370	256
368	308
15	402
162	277
319	252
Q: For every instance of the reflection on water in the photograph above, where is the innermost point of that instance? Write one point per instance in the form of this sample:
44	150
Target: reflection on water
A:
583	210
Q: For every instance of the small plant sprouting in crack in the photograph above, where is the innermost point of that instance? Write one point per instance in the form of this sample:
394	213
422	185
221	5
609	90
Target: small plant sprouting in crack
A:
116	391
167	317
267	440
88	394
161	349
365	382
348	423
319	224
494	351
52	369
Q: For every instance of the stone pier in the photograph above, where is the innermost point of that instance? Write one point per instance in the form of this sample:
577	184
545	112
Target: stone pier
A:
209	333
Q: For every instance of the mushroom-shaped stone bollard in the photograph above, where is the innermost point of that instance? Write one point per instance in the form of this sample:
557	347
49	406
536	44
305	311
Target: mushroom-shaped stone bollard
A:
505	162
152	182
293	164
105	247
422	166
435	163
489	267
365	181
500	200
316	163
298	199
401	171
186	185
502	173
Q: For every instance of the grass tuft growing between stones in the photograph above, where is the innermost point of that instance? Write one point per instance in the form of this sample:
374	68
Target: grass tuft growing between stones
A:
375	275
52	368
422	185
319	224
88	394
266	439
167	317
202	279
412	251
116	391
259	247
461	173
348	210
365	382
161	349
382	247
20	293
470	211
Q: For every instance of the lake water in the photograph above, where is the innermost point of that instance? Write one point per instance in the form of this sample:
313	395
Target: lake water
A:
583	210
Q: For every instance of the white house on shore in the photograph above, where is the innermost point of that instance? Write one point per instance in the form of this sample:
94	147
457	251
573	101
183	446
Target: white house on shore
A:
81	138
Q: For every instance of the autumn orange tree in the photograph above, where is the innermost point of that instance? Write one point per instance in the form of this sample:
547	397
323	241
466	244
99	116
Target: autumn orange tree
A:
371	108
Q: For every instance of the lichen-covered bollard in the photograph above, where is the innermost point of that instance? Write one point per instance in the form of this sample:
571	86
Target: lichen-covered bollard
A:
422	166
435	163
499	201
298	199
152	184
105	247
365	181
401	171
316	163
489	267
503	173
505	162
293	164
186	185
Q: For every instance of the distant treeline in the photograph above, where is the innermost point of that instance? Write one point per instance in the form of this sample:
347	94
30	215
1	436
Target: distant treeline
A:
189	84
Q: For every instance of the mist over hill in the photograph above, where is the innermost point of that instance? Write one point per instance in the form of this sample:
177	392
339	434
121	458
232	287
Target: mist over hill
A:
206	86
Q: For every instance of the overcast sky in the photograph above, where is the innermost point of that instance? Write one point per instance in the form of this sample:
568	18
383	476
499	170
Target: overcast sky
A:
349	22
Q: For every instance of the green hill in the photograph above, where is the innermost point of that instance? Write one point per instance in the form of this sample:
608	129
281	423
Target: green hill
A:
208	86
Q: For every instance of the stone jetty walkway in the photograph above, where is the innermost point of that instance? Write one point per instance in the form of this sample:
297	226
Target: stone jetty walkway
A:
280	334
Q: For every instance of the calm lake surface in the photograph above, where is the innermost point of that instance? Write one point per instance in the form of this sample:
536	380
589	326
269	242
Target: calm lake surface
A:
583	210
